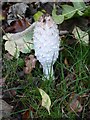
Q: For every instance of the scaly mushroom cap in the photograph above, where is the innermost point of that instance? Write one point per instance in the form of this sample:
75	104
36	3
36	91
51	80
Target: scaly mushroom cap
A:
46	41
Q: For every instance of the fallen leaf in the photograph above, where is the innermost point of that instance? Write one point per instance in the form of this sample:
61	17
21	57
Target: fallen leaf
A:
81	36
75	104
26	114
30	64
21	41
66	62
20	25
46	102
15	10
11	48
5	109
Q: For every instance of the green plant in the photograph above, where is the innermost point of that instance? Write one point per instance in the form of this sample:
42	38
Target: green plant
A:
78	8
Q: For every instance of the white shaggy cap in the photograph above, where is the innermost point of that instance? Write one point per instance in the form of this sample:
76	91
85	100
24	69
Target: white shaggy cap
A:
46	41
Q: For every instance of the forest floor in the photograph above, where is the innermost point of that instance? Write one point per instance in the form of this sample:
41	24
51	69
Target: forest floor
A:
69	91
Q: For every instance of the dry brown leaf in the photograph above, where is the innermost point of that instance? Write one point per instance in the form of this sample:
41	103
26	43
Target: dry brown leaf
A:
26	114
66	62
75	104
30	64
18	26
5	109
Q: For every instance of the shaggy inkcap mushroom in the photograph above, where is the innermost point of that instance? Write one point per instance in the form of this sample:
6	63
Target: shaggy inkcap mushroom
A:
46	43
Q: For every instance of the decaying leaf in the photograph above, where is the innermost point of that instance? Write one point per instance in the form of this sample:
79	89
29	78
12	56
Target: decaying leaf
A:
19	25
30	64
15	10
46	102
81	36
21	41
5	109
26	115
75	104
66	62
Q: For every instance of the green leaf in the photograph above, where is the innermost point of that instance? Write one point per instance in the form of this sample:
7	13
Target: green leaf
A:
57	18
23	40
79	4
46	102
68	11
81	36
11	48
38	15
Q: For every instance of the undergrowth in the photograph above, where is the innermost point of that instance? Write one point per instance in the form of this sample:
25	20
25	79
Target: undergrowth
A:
71	79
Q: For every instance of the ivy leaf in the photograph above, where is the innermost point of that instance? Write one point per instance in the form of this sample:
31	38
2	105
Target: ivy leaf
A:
80	35
79	5
57	18
23	40
68	11
46	102
11	48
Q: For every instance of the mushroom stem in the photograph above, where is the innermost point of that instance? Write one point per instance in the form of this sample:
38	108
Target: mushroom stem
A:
48	71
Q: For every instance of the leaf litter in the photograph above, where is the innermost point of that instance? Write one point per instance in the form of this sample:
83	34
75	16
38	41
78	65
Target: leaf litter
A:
18	24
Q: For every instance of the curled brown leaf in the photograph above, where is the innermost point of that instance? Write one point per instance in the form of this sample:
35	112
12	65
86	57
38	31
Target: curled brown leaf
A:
30	63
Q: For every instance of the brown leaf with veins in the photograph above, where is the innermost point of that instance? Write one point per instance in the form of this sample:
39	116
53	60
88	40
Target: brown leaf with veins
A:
30	62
